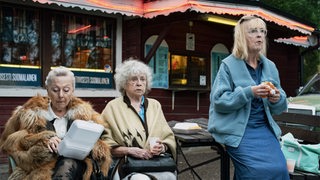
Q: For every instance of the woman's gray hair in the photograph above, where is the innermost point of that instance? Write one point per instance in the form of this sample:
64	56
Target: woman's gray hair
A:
129	68
240	47
60	71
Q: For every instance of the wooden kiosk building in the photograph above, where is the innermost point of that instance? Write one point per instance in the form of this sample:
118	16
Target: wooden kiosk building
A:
184	42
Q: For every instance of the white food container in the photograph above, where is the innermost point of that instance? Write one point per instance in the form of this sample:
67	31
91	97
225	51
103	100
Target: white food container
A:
80	139
186	128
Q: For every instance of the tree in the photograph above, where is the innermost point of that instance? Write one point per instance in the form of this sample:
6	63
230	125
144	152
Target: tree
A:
308	10
305	9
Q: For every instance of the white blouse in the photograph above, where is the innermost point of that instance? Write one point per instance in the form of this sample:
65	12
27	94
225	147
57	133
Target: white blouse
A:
60	124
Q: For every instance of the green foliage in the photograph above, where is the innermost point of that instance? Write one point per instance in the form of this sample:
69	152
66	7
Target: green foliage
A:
311	64
305	9
309	11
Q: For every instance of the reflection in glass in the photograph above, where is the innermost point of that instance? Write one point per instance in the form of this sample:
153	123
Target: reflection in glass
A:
81	42
188	71
197	71
19	32
178	69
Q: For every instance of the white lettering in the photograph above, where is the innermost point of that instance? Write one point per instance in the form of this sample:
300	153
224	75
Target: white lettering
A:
92	80
31	77
24	77
5	76
18	77
95	80
82	79
105	80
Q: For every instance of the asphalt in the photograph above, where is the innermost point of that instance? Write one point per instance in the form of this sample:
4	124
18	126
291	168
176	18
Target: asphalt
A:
210	171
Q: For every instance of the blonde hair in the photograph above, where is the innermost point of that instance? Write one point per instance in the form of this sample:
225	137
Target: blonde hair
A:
240	47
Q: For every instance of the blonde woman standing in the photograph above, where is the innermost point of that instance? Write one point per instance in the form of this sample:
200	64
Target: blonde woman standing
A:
242	106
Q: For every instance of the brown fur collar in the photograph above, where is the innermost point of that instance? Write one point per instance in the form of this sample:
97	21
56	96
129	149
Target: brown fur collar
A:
25	138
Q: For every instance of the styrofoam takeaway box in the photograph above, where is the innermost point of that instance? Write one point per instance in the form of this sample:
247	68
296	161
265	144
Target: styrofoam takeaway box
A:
80	139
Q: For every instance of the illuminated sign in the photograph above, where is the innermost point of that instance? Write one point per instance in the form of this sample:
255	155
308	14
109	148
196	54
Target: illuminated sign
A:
12	76
20	76
93	79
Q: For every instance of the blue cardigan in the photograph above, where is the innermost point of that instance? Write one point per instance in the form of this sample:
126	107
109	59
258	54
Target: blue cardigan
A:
230	100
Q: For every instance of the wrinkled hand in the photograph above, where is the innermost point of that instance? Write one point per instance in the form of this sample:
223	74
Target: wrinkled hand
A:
139	153
261	90
158	148
53	144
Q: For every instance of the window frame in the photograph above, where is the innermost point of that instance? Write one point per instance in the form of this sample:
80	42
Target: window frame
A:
26	91
188	85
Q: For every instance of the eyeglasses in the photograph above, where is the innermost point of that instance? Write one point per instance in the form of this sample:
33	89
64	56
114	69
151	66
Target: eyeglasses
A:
135	79
257	31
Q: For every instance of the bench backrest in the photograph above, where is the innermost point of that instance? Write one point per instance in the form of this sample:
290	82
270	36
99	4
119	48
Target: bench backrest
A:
303	127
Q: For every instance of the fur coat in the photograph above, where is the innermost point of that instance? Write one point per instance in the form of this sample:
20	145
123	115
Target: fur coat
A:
25	138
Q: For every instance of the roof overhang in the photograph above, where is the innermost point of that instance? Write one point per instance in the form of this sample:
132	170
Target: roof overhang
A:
153	8
303	41
124	7
165	7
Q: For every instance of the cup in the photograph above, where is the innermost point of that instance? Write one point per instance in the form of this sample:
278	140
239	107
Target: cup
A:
290	165
153	141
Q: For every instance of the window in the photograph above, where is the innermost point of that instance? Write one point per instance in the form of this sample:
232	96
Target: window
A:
158	63
82	42
178	70
19	30
19	43
188	71
218	53
85	44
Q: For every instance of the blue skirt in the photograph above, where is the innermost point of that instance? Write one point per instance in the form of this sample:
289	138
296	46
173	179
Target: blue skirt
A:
258	156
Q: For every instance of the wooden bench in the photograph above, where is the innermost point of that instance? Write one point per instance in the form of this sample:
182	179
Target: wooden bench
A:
302	127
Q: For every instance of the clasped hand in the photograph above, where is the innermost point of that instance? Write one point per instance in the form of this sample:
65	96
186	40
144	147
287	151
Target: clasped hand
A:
140	153
263	91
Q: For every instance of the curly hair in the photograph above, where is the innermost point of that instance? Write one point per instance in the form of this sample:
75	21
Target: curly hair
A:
129	68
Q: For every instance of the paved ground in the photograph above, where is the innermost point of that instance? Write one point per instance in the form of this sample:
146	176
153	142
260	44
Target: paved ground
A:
210	171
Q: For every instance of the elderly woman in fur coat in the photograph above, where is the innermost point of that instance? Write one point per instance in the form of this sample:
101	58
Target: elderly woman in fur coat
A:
34	131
